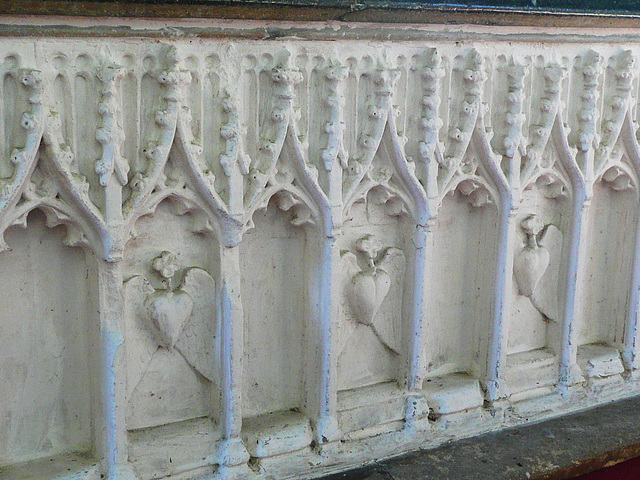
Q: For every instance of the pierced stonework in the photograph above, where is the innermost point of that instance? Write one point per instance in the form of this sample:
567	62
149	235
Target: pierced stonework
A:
618	179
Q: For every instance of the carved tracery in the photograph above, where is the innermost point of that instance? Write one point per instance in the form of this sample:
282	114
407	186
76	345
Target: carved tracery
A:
515	149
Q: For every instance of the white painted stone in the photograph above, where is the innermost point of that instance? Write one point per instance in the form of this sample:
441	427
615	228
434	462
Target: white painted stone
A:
275	434
597	360
533	369
453	393
370	407
248	259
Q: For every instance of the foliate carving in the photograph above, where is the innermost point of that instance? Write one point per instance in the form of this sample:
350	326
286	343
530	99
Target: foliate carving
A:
617	97
63	158
508	131
551	185
300	213
458	169
171	307
377	110
193	150
540	130
335	73
429	147
374	92
475	191
156	152
197	164
110	135
369	284
465	106
231	133
23	159
431	74
378	186
284	77
76	185
587	112
172	184
618	178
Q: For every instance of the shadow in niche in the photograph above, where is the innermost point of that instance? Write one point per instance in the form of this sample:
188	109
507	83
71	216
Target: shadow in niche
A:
377	255
459	322
276	258
536	318
610	233
48	353
171	327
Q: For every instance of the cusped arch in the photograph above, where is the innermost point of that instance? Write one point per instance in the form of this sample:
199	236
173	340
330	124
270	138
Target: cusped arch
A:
300	186
554	182
188	184
43	180
559	137
483	182
405	185
185	201
49	322
632	150
628	343
67	193
471	240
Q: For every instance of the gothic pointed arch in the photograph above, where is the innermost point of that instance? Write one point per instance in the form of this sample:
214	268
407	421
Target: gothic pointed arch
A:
609	298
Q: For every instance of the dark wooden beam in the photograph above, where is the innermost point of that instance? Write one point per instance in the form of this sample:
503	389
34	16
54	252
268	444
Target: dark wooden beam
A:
546	13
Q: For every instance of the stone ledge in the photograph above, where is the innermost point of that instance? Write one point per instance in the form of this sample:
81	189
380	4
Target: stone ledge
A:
557	449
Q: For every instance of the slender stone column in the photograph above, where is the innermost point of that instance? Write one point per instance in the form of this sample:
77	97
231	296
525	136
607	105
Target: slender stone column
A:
114	386
569	372
232	452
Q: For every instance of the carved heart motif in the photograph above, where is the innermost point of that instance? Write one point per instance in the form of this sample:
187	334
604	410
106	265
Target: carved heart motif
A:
368	291
529	267
169	312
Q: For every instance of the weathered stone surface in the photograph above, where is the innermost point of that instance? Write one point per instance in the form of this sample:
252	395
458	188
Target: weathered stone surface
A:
243	258
561	448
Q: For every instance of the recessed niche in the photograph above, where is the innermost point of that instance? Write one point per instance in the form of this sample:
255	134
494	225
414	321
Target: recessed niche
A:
606	267
172	334
375	306
543	229
275	261
49	353
459	320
